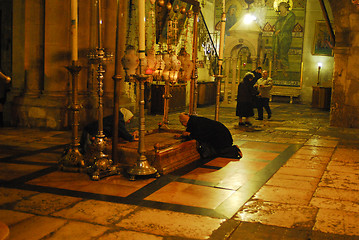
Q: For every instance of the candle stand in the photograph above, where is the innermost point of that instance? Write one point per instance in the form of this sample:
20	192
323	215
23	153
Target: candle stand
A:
99	164
218	95
141	167
72	160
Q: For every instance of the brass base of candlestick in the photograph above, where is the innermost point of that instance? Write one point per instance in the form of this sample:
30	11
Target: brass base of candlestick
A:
72	160
99	164
142	168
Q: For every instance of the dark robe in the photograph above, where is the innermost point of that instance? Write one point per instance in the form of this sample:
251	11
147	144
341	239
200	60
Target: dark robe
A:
213	137
246	99
91	130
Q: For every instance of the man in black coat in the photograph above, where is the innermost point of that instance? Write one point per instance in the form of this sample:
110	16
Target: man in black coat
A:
90	131
214	139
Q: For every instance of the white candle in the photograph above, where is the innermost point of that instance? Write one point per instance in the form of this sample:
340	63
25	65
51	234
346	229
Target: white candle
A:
141	16
74	52
221	39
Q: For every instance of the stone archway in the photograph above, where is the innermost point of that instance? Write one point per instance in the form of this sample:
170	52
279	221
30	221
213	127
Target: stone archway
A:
234	59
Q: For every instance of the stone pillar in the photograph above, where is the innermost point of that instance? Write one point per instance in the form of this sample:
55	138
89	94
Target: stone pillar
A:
57	47
226	73
34	65
234	77
345	92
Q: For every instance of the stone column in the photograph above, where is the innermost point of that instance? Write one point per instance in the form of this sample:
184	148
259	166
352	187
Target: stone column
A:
56	47
226	85
34	43
345	92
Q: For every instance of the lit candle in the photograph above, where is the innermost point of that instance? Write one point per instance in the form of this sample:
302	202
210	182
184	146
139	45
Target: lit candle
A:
74	52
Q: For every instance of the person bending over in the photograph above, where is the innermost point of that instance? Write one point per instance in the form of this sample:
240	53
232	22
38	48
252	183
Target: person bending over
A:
90	131
214	139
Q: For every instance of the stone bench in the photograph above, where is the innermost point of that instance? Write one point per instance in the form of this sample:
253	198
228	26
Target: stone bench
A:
290	92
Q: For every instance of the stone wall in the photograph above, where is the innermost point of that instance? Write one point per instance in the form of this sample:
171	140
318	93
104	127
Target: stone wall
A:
40	95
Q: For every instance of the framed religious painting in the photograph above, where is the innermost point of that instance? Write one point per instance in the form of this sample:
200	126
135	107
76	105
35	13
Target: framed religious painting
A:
322	44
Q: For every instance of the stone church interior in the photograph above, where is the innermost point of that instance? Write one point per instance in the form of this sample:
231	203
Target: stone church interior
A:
70	64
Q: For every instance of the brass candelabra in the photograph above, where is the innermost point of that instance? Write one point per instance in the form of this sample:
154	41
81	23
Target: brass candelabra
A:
98	162
142	166
72	160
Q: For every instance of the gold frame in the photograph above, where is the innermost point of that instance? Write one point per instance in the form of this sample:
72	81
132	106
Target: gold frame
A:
322	44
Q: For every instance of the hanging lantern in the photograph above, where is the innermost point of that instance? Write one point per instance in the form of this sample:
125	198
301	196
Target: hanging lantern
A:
169	6
161	3
176	9
183	10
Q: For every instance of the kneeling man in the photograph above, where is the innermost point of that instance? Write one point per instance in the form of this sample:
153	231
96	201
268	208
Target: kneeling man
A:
214	139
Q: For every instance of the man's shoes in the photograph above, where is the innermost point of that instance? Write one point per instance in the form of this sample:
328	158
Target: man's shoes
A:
248	124
269	116
259	118
241	124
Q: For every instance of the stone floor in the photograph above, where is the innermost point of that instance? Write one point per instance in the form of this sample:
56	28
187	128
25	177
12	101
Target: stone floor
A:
298	180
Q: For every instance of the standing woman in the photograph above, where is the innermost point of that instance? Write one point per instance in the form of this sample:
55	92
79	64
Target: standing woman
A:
245	96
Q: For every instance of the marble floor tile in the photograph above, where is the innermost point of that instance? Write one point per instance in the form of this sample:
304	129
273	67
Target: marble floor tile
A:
258	155
117	185
343	167
337	194
348	155
25	229
45	203
10	171
305	163
295	184
190	195
317	173
219	162
342	205
349	181
129	235
284	195
41	157
8	195
173	224
339	222
277	214
311	159
232	176
79	230
315	151
275	147
97	212
10	217
322	142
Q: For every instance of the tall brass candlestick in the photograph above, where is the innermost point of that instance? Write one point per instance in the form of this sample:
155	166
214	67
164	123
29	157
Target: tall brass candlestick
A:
193	87
72	159
100	165
142	167
220	62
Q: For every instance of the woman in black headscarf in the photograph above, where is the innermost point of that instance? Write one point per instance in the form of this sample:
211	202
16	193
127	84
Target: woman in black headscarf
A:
245	95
